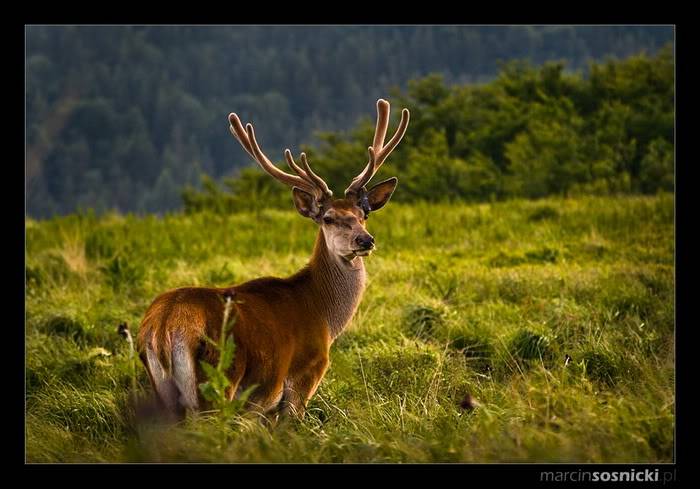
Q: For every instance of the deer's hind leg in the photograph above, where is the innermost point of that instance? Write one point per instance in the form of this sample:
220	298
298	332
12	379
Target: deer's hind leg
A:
184	373
163	384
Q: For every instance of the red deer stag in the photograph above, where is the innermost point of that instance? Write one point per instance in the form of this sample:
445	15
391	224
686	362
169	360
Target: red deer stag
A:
284	326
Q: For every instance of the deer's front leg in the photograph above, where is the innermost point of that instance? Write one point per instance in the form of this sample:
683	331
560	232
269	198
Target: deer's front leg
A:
299	388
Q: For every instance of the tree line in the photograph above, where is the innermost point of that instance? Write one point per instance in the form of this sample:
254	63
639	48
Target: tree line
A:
124	116
531	132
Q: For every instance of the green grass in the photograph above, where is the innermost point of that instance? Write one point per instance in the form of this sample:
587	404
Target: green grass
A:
556	316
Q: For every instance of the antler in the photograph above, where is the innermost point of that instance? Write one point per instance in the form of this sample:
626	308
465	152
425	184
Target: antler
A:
305	179
378	152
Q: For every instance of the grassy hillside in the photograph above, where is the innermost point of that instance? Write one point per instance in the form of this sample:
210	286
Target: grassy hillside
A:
557	316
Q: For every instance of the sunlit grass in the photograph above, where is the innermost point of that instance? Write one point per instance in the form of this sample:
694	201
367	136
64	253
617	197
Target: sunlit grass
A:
555	315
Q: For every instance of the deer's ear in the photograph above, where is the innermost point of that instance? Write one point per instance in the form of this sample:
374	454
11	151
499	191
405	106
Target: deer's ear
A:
306	204
380	194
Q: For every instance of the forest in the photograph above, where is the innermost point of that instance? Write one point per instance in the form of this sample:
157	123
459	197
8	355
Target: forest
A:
532	132
123	118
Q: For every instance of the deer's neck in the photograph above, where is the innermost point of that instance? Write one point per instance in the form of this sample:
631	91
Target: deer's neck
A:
338	285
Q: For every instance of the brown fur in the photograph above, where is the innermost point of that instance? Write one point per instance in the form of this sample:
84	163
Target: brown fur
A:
283	330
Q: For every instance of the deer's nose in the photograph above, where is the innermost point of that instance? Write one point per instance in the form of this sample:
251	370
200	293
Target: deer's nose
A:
365	242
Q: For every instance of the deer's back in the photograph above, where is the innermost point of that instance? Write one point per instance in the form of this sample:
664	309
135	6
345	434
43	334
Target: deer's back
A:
190	312
268	320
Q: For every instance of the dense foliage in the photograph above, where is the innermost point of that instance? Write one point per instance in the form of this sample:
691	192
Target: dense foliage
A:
556	316
122	117
532	132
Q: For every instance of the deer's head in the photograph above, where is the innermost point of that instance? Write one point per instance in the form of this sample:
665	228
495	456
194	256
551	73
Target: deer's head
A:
343	221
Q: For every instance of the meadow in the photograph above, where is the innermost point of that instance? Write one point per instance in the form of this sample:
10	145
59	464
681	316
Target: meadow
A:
516	331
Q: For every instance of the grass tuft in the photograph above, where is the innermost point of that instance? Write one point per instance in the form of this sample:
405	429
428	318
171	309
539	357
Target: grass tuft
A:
422	321
527	345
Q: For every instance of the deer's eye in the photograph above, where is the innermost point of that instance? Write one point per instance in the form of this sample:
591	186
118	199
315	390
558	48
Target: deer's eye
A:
328	220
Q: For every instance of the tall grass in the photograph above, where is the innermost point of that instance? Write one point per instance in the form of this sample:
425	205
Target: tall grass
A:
556	316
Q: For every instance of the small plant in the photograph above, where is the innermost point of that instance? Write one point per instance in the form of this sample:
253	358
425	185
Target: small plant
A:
214	390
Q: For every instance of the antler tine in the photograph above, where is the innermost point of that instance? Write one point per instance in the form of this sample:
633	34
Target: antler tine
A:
270	168
307	174
318	181
305	179
293	165
383	111
246	136
361	180
239	133
395	140
378	152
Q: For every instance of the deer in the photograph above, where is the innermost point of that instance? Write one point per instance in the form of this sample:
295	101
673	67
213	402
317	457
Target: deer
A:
284	327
